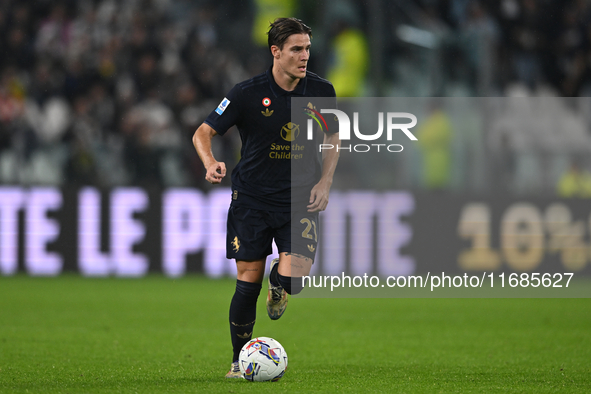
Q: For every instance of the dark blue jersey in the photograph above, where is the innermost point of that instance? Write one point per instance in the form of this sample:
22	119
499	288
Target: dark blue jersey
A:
261	111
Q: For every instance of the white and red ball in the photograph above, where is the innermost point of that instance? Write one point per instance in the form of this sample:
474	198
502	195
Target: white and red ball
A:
262	359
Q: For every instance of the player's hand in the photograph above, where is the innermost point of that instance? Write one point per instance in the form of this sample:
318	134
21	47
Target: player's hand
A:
319	197
215	172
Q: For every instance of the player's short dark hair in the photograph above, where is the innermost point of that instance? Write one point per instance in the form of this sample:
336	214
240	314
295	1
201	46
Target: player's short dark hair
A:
282	28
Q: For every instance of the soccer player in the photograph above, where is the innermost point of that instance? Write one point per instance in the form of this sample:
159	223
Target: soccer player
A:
261	208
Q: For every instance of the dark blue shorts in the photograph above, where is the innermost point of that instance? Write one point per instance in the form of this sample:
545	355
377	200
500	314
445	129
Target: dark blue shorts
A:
251	232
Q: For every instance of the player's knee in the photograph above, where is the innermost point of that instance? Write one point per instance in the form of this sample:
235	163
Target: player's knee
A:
248	289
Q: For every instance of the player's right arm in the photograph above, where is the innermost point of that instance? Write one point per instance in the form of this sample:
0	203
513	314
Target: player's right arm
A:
215	170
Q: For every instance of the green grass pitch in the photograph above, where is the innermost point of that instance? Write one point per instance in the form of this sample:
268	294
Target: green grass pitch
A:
158	335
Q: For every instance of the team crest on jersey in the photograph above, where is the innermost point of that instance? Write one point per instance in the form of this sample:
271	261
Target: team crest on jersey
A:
266	101
222	107
290	131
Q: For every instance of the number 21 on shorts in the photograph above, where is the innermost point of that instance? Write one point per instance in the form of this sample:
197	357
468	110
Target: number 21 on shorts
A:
309	225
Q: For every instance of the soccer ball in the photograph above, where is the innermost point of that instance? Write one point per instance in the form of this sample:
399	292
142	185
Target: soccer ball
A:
262	359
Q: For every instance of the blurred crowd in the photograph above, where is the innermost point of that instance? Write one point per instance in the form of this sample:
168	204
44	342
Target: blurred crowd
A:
536	42
109	92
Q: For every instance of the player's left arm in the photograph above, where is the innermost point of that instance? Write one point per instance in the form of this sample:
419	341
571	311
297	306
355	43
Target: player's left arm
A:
320	191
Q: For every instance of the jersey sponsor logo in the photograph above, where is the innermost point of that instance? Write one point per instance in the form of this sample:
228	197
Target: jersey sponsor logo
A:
290	131
267	113
311	248
222	107
266	101
236	244
279	151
